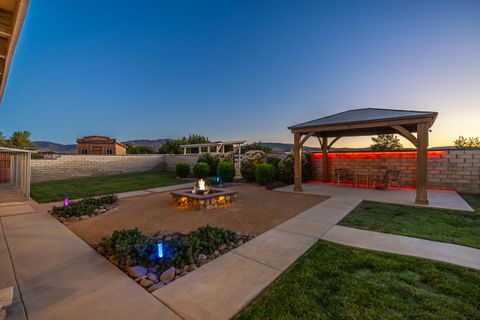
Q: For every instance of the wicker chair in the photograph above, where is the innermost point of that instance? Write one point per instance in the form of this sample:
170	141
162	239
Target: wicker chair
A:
342	175
391	178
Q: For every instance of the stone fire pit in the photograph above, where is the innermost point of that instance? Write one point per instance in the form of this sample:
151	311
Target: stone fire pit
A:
214	198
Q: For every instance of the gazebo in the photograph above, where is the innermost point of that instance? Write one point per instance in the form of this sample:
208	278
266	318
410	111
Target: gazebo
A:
367	122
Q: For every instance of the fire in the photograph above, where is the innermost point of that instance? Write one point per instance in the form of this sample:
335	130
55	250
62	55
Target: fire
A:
201	187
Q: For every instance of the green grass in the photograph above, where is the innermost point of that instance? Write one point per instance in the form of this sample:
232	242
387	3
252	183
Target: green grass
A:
49	191
335	282
427	223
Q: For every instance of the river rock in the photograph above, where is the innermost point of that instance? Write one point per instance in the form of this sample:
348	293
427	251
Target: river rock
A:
137	271
155	286
152	277
146	283
168	275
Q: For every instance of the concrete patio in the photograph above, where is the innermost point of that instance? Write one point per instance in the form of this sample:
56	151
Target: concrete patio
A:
442	199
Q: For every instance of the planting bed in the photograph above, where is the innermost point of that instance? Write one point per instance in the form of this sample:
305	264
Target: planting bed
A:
84	209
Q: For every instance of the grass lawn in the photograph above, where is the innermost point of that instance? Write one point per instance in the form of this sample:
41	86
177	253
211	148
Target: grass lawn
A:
335	282
49	191
427	223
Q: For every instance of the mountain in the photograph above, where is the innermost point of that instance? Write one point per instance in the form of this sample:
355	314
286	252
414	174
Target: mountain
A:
72	148
55	147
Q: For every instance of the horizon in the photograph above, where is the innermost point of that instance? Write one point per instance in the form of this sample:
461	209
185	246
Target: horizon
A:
240	70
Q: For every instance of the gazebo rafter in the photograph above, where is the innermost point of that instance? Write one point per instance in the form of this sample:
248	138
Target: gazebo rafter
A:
367	122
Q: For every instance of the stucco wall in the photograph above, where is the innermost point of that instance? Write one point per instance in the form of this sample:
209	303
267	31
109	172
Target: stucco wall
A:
72	166
447	169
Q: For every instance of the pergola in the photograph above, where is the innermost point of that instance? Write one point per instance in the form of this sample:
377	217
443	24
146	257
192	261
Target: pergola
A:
367	122
218	146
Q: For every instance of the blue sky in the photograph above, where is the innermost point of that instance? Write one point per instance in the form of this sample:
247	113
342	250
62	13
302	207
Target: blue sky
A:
239	69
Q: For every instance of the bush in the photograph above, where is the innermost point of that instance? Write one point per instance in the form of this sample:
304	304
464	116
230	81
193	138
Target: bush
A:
249	162
182	169
286	171
226	171
130	247
264	174
201	170
83	207
274	161
211	161
224	157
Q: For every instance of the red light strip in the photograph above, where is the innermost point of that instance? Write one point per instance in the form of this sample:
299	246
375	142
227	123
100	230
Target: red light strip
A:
380	154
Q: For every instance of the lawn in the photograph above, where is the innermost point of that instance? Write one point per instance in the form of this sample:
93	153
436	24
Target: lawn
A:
427	223
335	282
49	191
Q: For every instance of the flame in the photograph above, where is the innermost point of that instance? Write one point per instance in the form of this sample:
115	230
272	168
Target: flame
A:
201	185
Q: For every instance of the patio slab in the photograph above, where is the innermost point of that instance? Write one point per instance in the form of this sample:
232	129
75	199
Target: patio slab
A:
329	213
129	194
442	199
61	277
218	290
275	248
446	252
16	209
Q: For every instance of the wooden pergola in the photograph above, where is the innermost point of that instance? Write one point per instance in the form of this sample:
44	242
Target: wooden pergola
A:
367	122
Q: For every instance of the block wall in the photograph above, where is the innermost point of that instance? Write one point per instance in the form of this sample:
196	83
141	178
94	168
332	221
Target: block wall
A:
74	166
447	169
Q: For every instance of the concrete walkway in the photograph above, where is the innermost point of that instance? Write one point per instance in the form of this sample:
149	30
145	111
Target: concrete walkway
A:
225	286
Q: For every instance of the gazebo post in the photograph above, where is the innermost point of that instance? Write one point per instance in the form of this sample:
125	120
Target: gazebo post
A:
422	162
325	159
297	160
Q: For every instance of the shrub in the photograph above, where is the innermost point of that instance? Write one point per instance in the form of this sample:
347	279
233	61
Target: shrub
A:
211	161
130	247
250	160
274	161
286	171
182	169
265	173
224	157
201	170
226	171
84	207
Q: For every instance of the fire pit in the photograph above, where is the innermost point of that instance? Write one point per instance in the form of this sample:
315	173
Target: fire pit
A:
203	197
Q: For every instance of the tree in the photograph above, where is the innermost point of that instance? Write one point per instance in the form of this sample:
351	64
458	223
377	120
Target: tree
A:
173	146
139	149
470	142
21	140
3	140
384	142
256	146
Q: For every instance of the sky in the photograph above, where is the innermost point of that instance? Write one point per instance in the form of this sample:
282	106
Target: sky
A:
239	69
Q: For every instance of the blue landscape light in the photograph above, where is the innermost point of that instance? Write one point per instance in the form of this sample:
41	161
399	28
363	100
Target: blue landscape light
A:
160	249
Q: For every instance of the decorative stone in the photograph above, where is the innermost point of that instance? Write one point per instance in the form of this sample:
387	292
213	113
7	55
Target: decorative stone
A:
192	267
239	243
201	257
101	250
84	217
186	268
146	283
152	277
168	275
137	271
222	247
155	286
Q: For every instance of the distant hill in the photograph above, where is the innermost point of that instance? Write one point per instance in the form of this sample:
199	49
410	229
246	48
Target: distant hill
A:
72	148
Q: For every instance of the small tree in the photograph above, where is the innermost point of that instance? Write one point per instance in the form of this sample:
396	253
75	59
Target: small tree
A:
139	150
256	146
386	142
3	140
470	142
21	139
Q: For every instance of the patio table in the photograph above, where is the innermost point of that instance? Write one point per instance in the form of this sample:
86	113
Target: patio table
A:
365	176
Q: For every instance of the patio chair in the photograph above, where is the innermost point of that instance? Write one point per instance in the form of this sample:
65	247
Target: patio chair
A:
342	175
391	178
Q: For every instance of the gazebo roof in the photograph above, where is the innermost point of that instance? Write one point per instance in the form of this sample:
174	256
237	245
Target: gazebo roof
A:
366	121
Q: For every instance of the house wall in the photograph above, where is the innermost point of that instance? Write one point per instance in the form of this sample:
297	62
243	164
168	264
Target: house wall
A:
74	166
447	169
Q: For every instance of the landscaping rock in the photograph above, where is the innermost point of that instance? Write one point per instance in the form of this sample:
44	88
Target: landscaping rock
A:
153	270
152	277
137	271
186	268
192	267
101	250
222	247
239	243
155	286
146	283
73	219
168	275
201	258
84	217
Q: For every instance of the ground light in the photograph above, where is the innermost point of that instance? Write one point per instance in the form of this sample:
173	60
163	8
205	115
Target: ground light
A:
160	249
66	202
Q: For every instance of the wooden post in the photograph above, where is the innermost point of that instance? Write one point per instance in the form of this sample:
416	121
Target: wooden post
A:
297	159
325	159
422	162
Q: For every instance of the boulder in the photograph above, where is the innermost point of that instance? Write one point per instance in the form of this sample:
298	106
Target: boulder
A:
168	275
137	271
152	277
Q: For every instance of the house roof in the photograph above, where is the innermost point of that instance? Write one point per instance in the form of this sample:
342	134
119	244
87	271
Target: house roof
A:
12	15
366	121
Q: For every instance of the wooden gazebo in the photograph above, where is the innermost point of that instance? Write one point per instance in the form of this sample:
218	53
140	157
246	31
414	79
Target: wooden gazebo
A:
367	122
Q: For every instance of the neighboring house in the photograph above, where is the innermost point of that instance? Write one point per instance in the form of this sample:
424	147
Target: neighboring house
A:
100	145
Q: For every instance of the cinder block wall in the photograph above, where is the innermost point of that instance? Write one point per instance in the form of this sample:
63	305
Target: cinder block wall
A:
74	166
447	169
